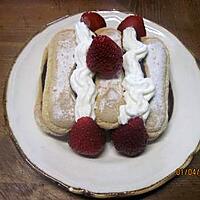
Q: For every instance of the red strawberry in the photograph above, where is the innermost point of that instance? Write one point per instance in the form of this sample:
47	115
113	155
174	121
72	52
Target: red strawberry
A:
86	138
93	20
104	57
130	139
133	21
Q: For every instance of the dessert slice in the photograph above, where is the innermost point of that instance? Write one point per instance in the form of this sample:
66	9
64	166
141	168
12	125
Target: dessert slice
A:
54	109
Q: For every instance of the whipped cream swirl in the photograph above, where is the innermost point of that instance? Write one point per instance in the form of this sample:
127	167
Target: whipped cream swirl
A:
81	79
138	90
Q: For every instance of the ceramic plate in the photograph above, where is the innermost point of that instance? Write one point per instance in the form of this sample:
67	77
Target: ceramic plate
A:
110	174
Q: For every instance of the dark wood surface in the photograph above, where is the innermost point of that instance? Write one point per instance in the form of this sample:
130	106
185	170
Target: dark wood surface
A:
19	21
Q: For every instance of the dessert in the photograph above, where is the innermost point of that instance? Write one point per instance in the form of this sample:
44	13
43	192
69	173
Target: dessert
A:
52	113
109	91
97	81
157	64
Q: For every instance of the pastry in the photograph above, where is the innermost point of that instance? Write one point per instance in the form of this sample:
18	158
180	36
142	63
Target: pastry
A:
95	78
109	91
157	67
52	113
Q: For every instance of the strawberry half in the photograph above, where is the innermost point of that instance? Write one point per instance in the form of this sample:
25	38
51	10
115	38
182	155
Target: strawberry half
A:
134	21
130	139
104	57
86	138
93	20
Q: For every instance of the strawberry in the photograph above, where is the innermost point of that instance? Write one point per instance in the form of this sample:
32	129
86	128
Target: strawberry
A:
104	57
130	139
86	138
134	21
93	20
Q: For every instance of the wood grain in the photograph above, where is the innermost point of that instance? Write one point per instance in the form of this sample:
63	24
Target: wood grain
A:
19	21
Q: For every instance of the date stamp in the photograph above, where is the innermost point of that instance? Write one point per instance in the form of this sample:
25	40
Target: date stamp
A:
188	172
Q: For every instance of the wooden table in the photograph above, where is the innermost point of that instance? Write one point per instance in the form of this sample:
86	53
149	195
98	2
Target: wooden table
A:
20	20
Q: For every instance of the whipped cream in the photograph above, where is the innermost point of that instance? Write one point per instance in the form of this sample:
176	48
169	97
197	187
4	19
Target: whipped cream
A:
81	79
138	90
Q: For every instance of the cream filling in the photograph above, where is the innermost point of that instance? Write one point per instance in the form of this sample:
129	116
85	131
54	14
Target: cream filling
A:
81	79
138	90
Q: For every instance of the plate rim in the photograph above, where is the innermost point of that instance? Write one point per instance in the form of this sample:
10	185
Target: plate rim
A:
76	190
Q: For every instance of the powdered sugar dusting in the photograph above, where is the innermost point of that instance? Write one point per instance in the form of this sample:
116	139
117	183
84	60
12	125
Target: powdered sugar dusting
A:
61	90
109	98
156	62
64	58
104	84
113	95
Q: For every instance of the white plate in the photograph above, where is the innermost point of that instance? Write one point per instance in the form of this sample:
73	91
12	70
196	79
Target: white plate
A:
110	174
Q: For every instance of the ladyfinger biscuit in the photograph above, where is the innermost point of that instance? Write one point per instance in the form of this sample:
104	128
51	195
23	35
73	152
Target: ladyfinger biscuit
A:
57	98
38	105
109	92
157	68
